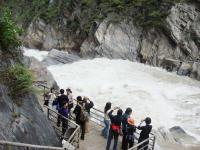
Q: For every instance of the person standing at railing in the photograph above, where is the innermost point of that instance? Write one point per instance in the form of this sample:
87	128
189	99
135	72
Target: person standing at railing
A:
125	118
105	130
70	97
61	100
52	97
115	128
88	104
130	130
80	117
64	112
144	134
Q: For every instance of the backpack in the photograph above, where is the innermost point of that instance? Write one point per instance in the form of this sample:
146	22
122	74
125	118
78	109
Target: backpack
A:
84	116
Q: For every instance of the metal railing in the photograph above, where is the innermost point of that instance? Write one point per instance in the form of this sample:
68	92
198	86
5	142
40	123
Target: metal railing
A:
97	116
70	132
7	145
71	135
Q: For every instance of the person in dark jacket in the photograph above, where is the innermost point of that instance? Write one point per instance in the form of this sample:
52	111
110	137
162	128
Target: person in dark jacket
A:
77	112
130	130
88	104
125	117
144	134
65	113
62	99
115	128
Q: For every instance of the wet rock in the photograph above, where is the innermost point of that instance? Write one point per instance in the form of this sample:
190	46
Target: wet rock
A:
181	136
40	72
185	69
195	73
56	57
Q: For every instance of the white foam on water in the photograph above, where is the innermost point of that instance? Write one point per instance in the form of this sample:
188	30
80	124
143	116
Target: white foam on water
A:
39	55
148	90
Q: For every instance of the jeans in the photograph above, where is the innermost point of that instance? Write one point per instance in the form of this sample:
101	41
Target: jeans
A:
105	130
110	137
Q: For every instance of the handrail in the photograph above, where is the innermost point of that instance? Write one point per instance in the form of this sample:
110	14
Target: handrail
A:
75	132
18	144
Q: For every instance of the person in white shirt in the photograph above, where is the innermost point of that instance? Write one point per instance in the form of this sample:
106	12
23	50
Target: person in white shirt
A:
51	96
70	97
105	131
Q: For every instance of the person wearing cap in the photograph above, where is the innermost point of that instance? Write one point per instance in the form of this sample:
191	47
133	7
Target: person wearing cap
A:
125	117
130	130
144	134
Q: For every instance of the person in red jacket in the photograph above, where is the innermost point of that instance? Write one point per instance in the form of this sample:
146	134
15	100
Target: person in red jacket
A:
115	128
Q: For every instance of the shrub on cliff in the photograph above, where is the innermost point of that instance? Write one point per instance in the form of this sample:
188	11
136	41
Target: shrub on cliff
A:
19	79
9	32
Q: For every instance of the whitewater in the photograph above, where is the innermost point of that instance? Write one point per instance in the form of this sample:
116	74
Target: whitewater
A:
170	100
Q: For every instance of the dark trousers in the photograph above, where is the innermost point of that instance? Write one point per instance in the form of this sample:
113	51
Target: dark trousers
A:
110	137
82	126
123	139
128	144
64	125
59	120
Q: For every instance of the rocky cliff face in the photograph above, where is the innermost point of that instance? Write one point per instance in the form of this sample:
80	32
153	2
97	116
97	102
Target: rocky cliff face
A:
23	121
179	41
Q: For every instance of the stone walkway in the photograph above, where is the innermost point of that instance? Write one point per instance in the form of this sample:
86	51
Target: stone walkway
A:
93	139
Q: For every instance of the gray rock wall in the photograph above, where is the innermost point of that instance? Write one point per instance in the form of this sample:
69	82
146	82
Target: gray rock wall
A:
178	41
22	119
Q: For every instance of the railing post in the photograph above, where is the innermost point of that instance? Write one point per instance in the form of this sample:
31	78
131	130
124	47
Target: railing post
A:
154	140
48	113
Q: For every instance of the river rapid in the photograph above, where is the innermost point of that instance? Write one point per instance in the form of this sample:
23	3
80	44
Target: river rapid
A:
170	100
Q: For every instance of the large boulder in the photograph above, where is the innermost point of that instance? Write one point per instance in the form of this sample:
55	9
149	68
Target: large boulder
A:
56	57
44	36
40	72
114	41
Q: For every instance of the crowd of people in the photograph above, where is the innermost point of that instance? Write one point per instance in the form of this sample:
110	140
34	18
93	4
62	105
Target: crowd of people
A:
121	124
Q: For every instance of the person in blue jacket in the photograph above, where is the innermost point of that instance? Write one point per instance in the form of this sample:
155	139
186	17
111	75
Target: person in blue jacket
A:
65	114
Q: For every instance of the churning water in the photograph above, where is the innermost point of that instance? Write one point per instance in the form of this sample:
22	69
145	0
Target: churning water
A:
170	100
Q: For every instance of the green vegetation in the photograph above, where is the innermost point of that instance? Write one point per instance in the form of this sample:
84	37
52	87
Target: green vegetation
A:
73	15
9	33
19	79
